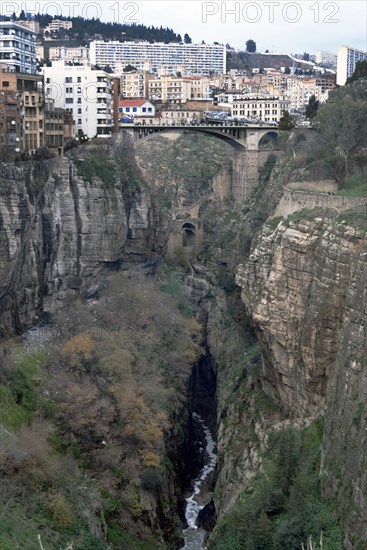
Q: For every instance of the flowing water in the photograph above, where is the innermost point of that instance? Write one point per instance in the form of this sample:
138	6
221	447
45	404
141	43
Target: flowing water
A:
194	536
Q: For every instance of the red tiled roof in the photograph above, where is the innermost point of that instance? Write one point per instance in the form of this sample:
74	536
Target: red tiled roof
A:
132	102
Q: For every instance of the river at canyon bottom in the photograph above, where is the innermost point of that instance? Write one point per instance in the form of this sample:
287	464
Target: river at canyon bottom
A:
194	536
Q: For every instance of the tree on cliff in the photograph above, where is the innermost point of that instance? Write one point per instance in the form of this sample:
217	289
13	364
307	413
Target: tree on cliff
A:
311	108
359	72
250	46
341	121
286	121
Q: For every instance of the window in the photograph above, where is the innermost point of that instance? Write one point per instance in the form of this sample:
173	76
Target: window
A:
127	110
5	84
79	121
79	79
79	110
144	109
69	100
68	79
48	80
135	109
79	99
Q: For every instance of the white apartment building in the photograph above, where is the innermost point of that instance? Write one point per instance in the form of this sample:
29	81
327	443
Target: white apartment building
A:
18	47
326	58
85	93
268	109
79	54
192	59
347	60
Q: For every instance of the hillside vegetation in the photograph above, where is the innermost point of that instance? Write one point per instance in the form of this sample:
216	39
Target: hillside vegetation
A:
89	406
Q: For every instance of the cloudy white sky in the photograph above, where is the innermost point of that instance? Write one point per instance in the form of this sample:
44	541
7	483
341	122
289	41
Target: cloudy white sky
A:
276	25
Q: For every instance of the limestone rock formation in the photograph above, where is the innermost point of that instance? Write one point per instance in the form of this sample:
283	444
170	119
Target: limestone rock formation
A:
58	231
304	285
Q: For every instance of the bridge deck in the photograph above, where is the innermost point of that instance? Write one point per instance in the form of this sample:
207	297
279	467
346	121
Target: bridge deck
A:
197	126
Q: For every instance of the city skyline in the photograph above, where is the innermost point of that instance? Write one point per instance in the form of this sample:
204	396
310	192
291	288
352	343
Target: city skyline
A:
279	26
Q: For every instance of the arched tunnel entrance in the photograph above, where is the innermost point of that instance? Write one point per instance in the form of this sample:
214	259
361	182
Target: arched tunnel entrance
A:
188	235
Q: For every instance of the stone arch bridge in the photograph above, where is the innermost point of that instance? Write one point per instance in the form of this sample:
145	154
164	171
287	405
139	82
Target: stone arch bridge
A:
248	137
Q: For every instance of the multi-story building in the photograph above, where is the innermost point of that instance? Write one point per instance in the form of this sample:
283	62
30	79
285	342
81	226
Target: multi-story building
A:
268	109
181	116
84	92
299	90
56	25
33	26
135	84
77	55
22	107
328	59
169	89
18	47
346	64
59	128
192	59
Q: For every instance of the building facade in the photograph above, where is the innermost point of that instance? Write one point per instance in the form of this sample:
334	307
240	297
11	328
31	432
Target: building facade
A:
84	92
131	108
191	59
135	84
267	109
328	59
75	55
18	47
172	90
346	64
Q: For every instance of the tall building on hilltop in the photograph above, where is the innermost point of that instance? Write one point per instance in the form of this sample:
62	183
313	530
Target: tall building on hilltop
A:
191	59
18	47
347	60
326	58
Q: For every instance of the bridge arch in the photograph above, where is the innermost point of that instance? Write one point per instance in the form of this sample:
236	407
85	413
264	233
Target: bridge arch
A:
269	140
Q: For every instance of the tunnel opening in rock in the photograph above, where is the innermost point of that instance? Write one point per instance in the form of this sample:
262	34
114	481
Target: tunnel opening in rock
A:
188	235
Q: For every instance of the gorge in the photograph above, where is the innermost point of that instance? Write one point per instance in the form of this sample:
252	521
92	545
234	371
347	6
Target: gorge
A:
174	303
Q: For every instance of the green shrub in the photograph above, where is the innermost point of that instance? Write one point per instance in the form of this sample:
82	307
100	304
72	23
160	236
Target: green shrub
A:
152	480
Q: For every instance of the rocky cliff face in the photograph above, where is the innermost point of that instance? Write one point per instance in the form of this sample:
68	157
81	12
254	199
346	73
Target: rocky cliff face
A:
58	231
304	286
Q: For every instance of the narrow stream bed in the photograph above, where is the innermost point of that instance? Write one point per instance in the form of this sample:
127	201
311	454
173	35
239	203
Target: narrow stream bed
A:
202	458
194	536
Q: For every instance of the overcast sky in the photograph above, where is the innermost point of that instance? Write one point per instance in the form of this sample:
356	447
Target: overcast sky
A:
283	26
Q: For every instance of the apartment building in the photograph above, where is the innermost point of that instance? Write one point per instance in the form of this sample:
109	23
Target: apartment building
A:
182	116
75	55
328	59
59	128
192	59
22	111
268	109
299	90
56	25
33	26
346	63
135	84
18	47
84	92
169	89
